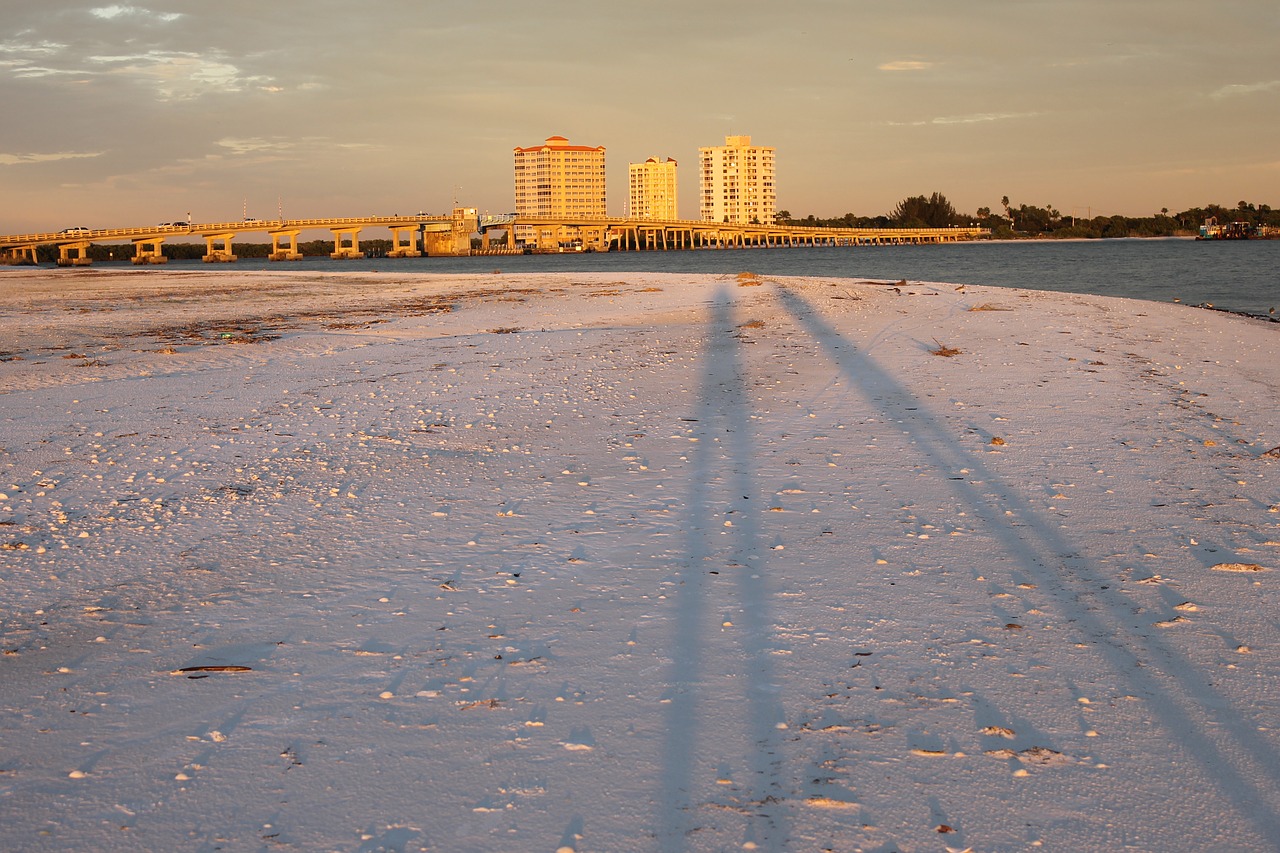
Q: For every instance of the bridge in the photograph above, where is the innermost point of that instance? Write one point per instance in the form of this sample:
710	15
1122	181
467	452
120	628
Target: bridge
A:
414	236
621	234
411	235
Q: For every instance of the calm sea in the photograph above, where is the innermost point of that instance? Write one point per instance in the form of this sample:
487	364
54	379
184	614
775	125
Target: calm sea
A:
1241	276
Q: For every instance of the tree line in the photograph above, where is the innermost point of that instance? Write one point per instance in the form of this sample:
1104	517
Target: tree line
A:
1029	220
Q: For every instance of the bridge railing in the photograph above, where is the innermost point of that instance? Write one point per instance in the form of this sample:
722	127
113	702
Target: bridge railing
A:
702	224
203	228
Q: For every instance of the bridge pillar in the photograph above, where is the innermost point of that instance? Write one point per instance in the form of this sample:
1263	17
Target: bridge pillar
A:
74	255
504	242
342	251
447	240
147	250
20	255
402	249
215	254
279	252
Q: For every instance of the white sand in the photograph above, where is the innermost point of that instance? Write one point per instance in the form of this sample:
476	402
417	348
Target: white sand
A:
681	564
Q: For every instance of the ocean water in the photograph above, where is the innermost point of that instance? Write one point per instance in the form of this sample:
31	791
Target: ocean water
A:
1241	276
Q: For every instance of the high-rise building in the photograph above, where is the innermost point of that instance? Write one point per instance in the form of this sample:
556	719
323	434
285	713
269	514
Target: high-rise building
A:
653	190
559	179
737	183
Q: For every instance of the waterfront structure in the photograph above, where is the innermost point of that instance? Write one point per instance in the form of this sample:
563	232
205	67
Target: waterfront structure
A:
736	183
652	190
412	236
454	235
559	179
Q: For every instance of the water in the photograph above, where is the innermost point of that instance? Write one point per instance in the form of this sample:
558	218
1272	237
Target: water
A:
1241	276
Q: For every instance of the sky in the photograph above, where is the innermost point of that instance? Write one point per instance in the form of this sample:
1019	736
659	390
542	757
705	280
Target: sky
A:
129	114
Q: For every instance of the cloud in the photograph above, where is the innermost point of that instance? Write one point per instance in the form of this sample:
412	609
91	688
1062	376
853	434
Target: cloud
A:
975	118
174	75
110	13
32	71
43	48
20	58
257	145
905	65
178	76
22	159
1236	90
281	147
981	118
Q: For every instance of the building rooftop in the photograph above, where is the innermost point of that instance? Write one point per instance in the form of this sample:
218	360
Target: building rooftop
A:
560	143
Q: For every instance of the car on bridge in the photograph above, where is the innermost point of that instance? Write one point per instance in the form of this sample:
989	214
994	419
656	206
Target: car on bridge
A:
78	231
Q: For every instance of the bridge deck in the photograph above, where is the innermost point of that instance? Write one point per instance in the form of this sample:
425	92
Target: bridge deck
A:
602	232
212	229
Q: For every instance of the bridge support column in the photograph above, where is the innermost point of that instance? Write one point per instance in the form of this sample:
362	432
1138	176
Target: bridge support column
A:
342	251
402	249
279	252
147	250
74	255
443	240
550	237
219	254
20	255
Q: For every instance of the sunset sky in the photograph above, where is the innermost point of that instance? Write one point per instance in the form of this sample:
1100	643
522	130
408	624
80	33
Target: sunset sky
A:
131	114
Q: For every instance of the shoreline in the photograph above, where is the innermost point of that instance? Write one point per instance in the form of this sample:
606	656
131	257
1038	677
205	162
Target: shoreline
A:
1156	271
195	269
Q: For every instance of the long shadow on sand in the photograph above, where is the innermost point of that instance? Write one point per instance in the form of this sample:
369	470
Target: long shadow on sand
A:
722	483
1244	766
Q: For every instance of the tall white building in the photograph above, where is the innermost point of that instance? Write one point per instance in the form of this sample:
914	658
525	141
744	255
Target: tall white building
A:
736	183
652	188
559	179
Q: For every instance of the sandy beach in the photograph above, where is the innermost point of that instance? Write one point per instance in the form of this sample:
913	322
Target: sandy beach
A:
578	562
